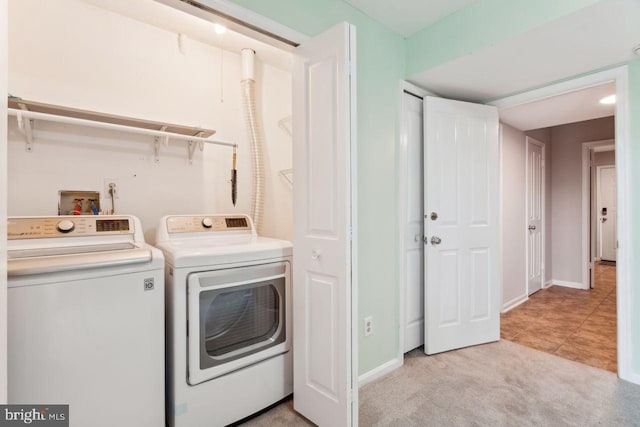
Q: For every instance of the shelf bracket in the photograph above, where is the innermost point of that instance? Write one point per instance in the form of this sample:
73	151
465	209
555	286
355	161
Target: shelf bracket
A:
25	125
287	174
285	125
192	146
156	144
201	142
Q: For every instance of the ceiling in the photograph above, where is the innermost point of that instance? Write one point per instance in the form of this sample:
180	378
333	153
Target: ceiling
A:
569	46
171	19
405	17
570	107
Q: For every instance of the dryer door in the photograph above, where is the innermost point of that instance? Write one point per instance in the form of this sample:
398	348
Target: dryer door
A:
237	317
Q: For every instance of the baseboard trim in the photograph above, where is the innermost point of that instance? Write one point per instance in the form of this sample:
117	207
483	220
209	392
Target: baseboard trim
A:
566	284
379	372
509	305
548	284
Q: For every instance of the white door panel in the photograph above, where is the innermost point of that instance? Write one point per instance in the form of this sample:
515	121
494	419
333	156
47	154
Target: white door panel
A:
462	281
414	309
607	212
413	224
535	211
322	288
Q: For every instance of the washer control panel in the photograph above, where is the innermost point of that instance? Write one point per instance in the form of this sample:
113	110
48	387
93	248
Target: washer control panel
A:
65	226
190	224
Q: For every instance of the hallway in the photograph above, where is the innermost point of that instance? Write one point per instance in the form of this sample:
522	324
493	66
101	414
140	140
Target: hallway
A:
571	323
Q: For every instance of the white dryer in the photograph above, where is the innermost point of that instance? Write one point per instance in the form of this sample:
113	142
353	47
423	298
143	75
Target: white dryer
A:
228	313
86	319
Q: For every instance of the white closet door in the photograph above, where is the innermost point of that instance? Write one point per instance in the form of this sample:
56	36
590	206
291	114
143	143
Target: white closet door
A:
462	257
323	291
413	257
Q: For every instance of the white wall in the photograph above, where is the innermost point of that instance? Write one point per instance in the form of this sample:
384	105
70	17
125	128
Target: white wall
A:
3	201
514	288
71	53
566	175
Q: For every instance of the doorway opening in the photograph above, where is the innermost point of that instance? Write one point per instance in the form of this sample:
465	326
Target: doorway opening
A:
566	303
411	311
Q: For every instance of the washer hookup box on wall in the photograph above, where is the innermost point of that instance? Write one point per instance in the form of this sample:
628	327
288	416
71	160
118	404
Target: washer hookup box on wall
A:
78	202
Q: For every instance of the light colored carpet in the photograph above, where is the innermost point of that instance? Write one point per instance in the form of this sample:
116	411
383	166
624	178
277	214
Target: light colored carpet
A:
498	384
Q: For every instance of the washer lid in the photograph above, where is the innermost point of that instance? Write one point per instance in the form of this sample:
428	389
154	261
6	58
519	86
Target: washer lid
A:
193	252
24	263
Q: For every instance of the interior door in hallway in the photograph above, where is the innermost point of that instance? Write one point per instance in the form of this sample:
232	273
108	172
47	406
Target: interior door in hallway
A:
535	214
462	248
606	205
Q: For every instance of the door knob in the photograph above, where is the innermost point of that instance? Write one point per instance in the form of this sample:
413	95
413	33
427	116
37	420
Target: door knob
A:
435	240
315	254
532	227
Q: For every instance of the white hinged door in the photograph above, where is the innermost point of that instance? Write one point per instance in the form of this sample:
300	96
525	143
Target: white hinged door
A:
535	195
462	258
323	85
607	212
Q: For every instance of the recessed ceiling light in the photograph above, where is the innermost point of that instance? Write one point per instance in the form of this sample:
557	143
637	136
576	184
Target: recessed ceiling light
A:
219	29
611	99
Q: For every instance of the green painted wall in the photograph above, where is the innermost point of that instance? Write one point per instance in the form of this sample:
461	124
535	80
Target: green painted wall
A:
480	25
380	67
634	134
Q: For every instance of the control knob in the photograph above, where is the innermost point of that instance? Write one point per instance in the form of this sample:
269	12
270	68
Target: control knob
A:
207	223
65	226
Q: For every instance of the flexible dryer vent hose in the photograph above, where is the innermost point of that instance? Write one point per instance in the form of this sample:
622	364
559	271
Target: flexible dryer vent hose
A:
255	136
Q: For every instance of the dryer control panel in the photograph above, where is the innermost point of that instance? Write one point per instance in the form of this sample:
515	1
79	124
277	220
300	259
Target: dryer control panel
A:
200	223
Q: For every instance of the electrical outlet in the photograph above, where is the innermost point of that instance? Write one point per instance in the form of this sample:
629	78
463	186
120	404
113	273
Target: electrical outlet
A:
107	185
368	326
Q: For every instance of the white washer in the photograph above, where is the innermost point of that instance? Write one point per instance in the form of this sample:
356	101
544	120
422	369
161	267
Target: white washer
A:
86	319
228	302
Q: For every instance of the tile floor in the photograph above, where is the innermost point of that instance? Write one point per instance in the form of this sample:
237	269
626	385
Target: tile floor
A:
575	324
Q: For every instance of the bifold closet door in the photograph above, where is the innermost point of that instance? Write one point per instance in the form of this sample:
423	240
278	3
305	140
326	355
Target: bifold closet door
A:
325	348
